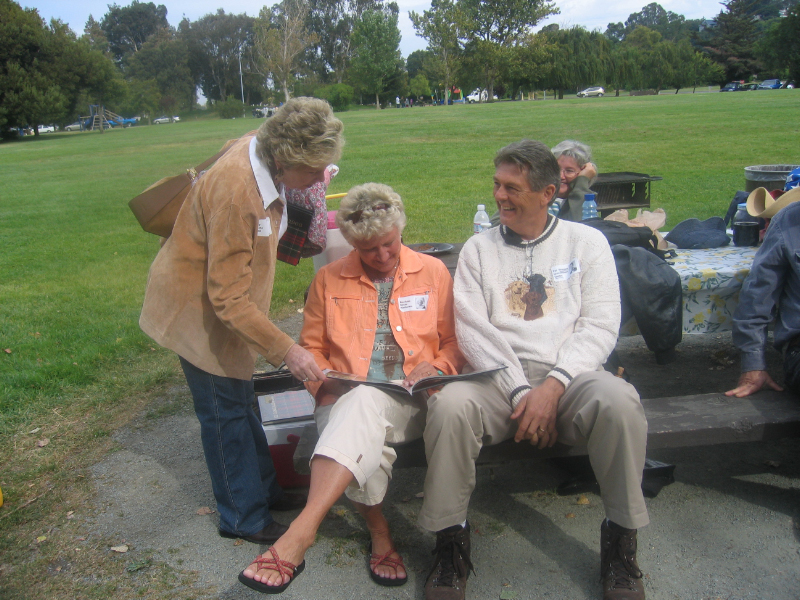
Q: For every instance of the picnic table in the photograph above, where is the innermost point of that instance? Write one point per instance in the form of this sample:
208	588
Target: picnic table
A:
711	281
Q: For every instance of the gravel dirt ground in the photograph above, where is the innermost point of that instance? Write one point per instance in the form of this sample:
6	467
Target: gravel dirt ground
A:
728	528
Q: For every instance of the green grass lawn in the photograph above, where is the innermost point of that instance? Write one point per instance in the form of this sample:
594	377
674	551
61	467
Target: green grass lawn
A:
75	262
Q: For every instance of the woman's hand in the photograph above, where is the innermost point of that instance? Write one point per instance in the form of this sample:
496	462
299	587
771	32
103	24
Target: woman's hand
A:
422	370
589	171
302	364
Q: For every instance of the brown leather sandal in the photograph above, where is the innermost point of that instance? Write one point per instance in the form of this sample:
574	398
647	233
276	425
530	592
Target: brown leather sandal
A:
284	567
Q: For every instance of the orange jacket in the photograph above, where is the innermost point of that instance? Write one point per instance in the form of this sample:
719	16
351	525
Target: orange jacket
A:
342	311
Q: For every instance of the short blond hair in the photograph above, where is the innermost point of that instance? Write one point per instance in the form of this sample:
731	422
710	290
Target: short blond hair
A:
370	210
302	132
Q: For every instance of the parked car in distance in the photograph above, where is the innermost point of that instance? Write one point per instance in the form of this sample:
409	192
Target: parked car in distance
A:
46	129
176	119
733	86
749	87
788	85
478	95
262	112
592	91
770	84
161	120
76	126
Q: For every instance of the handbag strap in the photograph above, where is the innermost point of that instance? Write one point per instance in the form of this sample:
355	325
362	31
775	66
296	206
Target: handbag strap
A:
216	157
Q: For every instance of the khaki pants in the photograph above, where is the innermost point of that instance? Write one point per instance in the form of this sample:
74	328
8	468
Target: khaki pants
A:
356	433
597	411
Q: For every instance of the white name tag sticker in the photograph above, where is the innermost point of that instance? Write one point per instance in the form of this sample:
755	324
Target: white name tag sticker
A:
264	227
564	272
413	303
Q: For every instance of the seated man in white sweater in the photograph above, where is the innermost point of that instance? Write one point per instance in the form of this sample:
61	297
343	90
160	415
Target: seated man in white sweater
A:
539	295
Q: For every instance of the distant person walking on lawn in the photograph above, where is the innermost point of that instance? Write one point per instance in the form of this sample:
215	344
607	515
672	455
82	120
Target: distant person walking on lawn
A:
382	311
208	296
539	295
771	290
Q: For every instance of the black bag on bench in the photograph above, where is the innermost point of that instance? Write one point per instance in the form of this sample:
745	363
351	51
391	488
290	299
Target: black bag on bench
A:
625	235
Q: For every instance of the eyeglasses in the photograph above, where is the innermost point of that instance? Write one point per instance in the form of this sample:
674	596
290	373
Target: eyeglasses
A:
569	172
355	216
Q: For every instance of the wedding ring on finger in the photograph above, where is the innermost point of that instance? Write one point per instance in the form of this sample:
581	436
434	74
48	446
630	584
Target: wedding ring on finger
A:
305	379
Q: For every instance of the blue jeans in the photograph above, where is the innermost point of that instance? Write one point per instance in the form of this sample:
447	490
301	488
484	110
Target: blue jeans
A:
237	453
791	368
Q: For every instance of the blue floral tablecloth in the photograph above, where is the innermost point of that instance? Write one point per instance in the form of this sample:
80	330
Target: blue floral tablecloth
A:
711	280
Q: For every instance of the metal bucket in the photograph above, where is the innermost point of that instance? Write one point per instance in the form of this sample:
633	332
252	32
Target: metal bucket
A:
772	177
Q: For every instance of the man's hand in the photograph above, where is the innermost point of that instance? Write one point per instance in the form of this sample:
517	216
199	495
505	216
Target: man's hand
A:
302	364
536	414
751	382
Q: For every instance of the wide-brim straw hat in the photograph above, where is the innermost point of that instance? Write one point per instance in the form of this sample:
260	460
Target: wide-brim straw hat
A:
761	204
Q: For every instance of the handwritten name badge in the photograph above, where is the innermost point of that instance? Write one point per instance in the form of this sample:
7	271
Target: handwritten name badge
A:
564	272
408	303
264	227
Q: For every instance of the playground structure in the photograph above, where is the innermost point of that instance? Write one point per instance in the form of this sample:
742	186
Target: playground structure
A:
101	118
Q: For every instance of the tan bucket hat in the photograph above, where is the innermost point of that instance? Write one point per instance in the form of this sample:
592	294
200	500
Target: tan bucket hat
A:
761	204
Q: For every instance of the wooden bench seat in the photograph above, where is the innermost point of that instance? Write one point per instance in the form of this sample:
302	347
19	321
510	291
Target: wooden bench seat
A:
679	421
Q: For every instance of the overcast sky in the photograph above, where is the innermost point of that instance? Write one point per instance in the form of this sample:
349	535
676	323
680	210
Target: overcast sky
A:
591	14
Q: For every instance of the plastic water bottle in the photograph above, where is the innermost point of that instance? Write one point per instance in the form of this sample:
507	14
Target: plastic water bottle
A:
589	207
481	221
745	227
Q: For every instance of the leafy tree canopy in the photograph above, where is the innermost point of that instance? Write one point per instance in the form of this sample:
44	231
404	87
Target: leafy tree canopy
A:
376	41
45	70
127	27
670	25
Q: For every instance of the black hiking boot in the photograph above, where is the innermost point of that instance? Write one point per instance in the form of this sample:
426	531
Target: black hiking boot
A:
451	565
622	579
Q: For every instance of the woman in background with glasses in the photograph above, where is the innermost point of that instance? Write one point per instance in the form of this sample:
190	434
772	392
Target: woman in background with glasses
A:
578	172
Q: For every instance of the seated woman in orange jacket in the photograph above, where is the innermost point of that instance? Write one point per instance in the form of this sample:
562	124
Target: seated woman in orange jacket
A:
382	311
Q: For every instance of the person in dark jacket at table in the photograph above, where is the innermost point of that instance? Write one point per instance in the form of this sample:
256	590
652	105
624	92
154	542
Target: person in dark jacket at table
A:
772	287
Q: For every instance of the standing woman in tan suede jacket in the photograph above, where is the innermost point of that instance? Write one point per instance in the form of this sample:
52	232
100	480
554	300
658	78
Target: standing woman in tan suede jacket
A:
208	296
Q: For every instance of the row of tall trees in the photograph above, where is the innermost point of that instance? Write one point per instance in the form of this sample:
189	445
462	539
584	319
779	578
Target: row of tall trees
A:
294	46
134	62
489	44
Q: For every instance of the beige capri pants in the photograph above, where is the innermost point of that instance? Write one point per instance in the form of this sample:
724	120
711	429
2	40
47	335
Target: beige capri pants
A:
597	411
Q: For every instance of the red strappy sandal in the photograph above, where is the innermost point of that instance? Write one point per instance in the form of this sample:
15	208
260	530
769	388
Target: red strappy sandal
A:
376	560
284	567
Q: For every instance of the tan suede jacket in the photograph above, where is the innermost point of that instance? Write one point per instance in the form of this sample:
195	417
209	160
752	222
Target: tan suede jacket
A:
209	288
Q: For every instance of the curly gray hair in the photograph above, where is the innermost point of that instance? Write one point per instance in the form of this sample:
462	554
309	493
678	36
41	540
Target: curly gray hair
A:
574	149
370	210
302	132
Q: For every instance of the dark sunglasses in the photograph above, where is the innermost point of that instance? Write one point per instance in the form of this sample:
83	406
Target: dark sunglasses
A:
355	216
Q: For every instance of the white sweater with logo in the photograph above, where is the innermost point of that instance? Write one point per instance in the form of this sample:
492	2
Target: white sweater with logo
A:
502	315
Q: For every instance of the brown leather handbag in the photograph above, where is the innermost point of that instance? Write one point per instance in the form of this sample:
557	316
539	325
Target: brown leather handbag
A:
157	207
